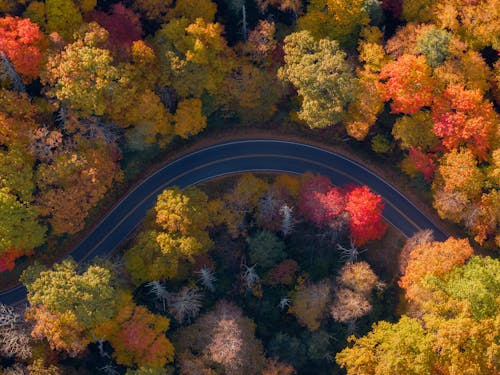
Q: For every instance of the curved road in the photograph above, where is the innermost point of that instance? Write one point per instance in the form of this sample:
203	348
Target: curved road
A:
233	157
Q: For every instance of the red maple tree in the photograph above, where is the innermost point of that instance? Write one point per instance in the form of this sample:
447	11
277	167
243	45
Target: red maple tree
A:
365	210
23	43
408	83
463	116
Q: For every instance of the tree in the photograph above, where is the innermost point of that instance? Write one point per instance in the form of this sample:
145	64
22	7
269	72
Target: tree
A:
477	282
63	17
465	345
186	304
310	304
193	9
424	163
84	299
188	118
194	58
365	210
463	117
14	334
348	306
266	249
477	23
145	260
61	330
335	20
459	172
415	131
75	181
137	336
436	259
419	10
283	273
358	277
313	192
321	75
362	112
155	10
23	43
123	26
433	44
222	336
183	217
21	231
294	6
82	75
408	83
397	348
274	367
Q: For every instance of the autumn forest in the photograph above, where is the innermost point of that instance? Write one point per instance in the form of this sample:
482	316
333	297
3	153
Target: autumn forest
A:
262	272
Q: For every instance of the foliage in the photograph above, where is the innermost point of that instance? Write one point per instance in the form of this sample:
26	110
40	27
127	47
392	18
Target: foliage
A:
21	230
335	20
310	303
222	336
365	210
463	117
266	249
23	43
390	349
89	296
321	75
82	75
137	336
408	83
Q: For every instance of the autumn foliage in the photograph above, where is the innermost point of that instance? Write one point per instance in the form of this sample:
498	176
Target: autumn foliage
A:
24	44
408	83
322	203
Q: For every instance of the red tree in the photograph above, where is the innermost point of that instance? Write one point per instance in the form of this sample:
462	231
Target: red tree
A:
123	25
423	162
365	209
319	200
8	259
23	43
463	117
408	83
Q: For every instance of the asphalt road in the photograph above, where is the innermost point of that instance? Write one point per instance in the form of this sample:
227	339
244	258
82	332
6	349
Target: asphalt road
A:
235	157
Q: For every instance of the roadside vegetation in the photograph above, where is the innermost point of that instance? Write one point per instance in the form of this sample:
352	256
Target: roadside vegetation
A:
270	274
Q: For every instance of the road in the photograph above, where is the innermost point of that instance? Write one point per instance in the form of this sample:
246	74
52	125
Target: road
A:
256	155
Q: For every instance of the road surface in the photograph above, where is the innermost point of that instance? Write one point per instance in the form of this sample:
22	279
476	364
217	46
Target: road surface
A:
256	155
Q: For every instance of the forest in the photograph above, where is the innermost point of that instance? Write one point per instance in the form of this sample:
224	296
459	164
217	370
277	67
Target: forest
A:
255	273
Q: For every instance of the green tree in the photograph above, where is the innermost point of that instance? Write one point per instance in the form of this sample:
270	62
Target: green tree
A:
322	77
477	282
266	249
90	296
415	131
433	44
19	224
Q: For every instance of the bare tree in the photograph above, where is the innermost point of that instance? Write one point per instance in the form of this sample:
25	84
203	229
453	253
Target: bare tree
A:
7	71
287	222
284	303
185	304
351	254
158	290
250	276
14	334
207	278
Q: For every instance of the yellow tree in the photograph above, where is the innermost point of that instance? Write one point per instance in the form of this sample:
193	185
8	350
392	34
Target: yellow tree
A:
82	75
189	119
